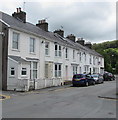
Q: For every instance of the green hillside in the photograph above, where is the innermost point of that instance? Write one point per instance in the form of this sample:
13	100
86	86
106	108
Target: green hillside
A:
109	50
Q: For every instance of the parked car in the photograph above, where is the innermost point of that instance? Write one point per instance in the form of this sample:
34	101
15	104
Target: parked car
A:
82	79
98	78
108	76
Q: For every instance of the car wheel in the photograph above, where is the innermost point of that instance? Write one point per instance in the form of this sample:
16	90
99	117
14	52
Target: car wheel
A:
93	82
86	84
74	85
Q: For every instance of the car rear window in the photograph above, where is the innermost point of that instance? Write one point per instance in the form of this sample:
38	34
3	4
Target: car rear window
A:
78	76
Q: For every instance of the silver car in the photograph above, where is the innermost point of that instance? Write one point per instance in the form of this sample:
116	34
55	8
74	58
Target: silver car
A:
98	78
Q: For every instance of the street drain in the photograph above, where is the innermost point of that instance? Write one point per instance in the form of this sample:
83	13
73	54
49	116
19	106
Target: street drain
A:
110	98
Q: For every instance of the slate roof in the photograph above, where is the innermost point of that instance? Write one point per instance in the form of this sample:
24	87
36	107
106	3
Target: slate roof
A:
17	58
33	29
30	59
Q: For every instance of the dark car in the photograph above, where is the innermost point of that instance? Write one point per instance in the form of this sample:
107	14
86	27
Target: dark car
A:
108	76
82	79
98	78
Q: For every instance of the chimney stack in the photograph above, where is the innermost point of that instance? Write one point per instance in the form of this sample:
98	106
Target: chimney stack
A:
80	41
71	37
88	44
43	25
20	15
59	32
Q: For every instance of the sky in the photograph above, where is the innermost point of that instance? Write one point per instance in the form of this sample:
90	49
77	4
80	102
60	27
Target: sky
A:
93	20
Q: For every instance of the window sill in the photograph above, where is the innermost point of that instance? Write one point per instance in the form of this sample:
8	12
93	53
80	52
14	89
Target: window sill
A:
32	53
17	50
47	55
58	57
12	76
24	76
74	60
67	59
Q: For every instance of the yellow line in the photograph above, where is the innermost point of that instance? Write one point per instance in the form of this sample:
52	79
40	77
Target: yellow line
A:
6	97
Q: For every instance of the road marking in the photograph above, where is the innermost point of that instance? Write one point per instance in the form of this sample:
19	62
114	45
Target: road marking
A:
4	97
37	92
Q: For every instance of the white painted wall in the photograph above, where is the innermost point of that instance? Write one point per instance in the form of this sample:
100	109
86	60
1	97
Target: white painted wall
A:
40	54
12	80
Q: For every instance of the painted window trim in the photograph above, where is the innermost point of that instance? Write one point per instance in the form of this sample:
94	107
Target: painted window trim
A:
22	71
14	49
34	45
14	72
48	49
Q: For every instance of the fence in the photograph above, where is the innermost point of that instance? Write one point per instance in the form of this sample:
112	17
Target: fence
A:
34	84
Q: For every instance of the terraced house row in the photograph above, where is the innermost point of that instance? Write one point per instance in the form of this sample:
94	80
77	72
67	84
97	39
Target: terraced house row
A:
34	58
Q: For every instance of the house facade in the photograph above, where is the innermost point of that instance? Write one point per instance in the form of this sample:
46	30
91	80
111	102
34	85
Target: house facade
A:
38	58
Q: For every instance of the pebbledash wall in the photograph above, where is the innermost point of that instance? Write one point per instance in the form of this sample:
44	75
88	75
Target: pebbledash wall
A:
54	59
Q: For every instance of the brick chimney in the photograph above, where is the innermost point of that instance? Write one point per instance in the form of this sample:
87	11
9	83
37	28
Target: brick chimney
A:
71	37
59	32
88	44
80	41
43	25
20	15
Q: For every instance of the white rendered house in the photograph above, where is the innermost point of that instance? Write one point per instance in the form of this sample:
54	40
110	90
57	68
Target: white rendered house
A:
38	58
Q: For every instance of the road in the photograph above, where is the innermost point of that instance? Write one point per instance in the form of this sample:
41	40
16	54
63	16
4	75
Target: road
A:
62	102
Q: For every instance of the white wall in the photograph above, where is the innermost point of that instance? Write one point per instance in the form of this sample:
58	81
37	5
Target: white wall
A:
12	80
40	54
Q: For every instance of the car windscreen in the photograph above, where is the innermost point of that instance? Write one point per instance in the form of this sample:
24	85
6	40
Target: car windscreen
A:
78	76
94	76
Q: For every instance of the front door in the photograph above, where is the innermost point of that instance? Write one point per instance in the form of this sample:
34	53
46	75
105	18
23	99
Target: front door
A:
48	70
66	71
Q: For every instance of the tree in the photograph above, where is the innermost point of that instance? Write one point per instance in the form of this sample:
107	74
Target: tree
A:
116	68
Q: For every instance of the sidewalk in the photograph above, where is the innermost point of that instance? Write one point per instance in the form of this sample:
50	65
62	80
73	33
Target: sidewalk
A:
53	88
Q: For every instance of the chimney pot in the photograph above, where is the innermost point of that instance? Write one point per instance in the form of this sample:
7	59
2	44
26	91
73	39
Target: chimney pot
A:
59	32
20	15
71	37
88	44
43	25
80	41
17	10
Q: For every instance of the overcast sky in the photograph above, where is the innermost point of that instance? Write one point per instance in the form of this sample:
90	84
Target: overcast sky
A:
93	21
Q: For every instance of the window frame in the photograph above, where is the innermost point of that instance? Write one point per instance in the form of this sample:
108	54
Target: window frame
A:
58	70
47	49
73	54
58	50
13	71
32	70
66	53
80	56
32	46
90	60
23	71
75	68
14	41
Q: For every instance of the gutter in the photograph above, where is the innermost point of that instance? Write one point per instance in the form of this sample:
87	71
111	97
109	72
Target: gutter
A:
5	23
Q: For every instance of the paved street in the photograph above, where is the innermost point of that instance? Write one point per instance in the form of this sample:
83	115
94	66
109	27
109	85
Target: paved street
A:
63	102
